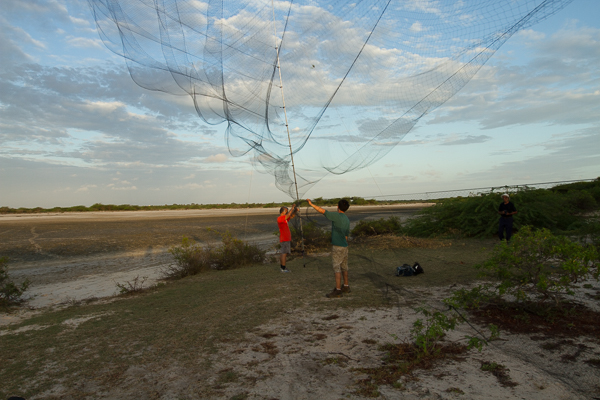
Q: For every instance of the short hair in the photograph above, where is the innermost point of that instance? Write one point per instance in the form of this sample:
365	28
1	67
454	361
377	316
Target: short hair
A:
343	205
282	209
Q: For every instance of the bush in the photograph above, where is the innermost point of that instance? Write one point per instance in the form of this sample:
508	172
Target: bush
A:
10	293
192	258
314	236
377	227
539	266
477	216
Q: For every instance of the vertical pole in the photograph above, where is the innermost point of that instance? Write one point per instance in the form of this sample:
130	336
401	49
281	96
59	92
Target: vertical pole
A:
287	126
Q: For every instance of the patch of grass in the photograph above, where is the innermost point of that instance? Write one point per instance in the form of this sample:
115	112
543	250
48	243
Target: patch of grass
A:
178	324
500	372
135	285
227	376
193	258
10	292
401	360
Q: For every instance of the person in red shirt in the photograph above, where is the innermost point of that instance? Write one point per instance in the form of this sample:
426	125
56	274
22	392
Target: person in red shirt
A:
285	236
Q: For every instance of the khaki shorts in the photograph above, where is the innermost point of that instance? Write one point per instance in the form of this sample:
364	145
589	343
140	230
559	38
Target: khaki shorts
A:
285	248
339	255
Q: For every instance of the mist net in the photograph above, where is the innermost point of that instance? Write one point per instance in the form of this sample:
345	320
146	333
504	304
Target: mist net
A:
356	76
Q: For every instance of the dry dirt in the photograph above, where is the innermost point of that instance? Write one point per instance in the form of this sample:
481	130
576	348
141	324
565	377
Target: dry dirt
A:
305	355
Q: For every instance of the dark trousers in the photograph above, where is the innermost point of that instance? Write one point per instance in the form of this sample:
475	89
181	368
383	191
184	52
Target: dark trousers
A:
505	223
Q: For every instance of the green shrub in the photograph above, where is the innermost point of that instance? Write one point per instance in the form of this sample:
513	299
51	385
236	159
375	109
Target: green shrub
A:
428	333
539	266
10	292
580	200
377	227
477	216
192	258
315	237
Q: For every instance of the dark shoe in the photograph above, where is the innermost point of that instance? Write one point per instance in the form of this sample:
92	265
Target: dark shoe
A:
335	293
345	289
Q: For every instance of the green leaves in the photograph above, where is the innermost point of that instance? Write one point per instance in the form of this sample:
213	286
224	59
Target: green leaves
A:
538	265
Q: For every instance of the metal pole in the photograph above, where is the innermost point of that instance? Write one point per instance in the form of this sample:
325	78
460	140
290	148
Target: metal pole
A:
287	126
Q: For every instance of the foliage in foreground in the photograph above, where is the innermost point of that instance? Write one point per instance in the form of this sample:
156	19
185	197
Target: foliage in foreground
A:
421	352
477	216
536	267
10	292
192	258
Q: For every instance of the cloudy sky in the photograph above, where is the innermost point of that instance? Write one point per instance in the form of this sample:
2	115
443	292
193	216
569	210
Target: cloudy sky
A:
75	129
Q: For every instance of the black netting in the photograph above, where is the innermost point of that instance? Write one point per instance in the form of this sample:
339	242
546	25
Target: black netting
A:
357	75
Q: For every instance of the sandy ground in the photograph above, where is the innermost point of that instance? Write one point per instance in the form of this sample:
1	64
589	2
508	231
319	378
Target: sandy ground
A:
303	355
314	356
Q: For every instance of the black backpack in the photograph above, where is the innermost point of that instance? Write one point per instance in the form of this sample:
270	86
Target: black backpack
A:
407	270
417	268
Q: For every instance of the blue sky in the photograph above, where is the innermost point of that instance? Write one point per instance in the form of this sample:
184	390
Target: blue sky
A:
75	129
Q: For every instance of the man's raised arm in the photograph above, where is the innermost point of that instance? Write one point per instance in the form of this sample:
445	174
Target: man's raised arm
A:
319	209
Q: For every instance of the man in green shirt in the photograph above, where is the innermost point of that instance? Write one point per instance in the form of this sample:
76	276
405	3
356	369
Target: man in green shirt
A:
340	229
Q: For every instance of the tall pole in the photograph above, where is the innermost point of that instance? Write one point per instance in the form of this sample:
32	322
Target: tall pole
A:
287	126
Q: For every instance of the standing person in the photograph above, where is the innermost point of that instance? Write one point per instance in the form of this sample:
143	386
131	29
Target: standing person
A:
285	236
506	211
340	229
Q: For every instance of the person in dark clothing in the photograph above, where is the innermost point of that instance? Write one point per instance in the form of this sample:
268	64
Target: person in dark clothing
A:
506	211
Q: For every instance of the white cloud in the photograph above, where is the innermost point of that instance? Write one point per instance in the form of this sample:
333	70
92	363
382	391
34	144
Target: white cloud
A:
217	158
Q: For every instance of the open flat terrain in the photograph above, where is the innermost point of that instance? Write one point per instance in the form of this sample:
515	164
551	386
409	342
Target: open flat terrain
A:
253	333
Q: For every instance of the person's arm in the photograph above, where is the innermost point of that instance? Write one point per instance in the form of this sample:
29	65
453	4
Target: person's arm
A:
292	212
319	209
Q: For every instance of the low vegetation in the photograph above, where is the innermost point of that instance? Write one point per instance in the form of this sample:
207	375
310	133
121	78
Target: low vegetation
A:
10	292
193	206
567	209
536	268
192	258
380	226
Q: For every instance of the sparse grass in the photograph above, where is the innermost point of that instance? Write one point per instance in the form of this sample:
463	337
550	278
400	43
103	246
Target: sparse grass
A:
177	325
10	292
193	258
499	371
135	285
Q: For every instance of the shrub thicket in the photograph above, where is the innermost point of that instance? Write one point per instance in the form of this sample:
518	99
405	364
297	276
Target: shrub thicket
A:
10	292
377	227
477	216
192	258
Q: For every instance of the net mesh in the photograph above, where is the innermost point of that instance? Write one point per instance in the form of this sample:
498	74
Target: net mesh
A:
356	75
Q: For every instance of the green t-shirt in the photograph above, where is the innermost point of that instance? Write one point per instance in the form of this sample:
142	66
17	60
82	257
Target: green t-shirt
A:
340	228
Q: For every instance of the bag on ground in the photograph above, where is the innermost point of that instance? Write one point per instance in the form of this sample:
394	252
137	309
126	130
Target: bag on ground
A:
417	268
404	270
407	270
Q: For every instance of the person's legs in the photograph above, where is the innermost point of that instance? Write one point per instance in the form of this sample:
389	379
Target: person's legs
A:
285	250
501	229
509	224
338	280
337	257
